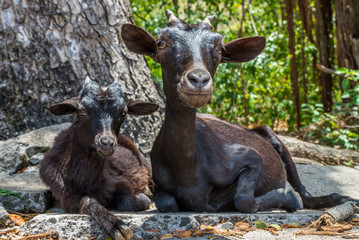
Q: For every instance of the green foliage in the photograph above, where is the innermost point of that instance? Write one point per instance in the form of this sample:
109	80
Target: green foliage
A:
4	192
340	127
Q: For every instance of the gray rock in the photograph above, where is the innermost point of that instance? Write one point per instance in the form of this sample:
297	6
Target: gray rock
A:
323	180
226	225
16	153
5	221
36	159
35	196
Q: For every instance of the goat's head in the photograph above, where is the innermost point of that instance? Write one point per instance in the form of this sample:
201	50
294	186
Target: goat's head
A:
100	112
189	56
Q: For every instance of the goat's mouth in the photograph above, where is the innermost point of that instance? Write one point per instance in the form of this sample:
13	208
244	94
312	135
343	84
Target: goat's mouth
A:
104	152
194	99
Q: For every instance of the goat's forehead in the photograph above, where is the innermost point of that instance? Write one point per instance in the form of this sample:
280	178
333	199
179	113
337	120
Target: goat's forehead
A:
100	99
189	33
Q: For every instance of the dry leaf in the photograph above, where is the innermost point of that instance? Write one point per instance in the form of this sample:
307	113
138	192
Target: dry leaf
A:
242	225
272	230
18	220
355	220
290	226
337	227
182	233
152	230
197	232
167	236
223	221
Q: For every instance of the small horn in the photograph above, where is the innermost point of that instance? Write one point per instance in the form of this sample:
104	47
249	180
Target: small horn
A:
87	80
170	15
208	20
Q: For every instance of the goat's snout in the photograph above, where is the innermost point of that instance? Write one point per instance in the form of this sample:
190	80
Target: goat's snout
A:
105	144
199	78
107	141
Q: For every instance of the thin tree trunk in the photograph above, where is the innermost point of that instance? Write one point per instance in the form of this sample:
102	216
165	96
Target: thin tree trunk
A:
47	50
325	45
293	62
243	82
304	70
305	15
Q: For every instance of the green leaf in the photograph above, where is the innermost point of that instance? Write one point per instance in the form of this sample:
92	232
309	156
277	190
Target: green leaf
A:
341	71
345	95
345	84
260	224
4	192
276	226
294	224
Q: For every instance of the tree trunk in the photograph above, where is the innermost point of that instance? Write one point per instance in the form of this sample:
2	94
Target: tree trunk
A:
325	45
347	12
47	48
293	61
319	153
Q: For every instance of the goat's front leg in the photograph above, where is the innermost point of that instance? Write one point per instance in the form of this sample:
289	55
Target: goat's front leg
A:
244	199
166	202
104	219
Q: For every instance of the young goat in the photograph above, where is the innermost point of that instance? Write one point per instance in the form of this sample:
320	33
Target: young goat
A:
199	162
89	167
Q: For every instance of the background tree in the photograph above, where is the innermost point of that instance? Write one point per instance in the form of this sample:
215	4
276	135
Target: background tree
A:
49	47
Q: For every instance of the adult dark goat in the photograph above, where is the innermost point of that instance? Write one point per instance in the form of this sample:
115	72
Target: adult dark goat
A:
199	162
91	166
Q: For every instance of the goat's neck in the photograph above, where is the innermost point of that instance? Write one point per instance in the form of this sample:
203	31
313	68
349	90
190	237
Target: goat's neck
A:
83	154
178	134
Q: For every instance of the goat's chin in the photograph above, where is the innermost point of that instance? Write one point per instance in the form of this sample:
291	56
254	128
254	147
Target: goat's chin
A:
194	100
104	152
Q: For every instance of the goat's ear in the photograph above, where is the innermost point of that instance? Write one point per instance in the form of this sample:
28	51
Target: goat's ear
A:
141	108
243	49
66	107
139	40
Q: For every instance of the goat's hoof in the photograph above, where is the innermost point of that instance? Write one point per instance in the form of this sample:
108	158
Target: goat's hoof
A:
121	232
126	232
118	236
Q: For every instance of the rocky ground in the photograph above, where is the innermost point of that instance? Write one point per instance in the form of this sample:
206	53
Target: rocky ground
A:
19	158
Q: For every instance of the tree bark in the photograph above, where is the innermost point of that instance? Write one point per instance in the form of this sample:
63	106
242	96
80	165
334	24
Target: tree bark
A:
47	48
293	61
347	12
322	154
325	45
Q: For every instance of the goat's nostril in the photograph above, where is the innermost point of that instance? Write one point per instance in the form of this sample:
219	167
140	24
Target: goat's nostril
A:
107	142
198	77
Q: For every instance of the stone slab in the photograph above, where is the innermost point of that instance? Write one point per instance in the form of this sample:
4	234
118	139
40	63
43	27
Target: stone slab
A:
147	225
323	180
17	152
35	196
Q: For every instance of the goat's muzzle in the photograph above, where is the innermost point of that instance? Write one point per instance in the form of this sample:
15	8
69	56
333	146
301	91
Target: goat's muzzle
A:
195	87
105	144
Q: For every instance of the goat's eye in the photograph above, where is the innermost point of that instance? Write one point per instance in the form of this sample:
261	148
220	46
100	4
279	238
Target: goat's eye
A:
82	112
219	48
161	44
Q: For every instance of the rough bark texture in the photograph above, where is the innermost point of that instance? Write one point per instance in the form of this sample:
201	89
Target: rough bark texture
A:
347	12
293	61
325	45
48	47
322	154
